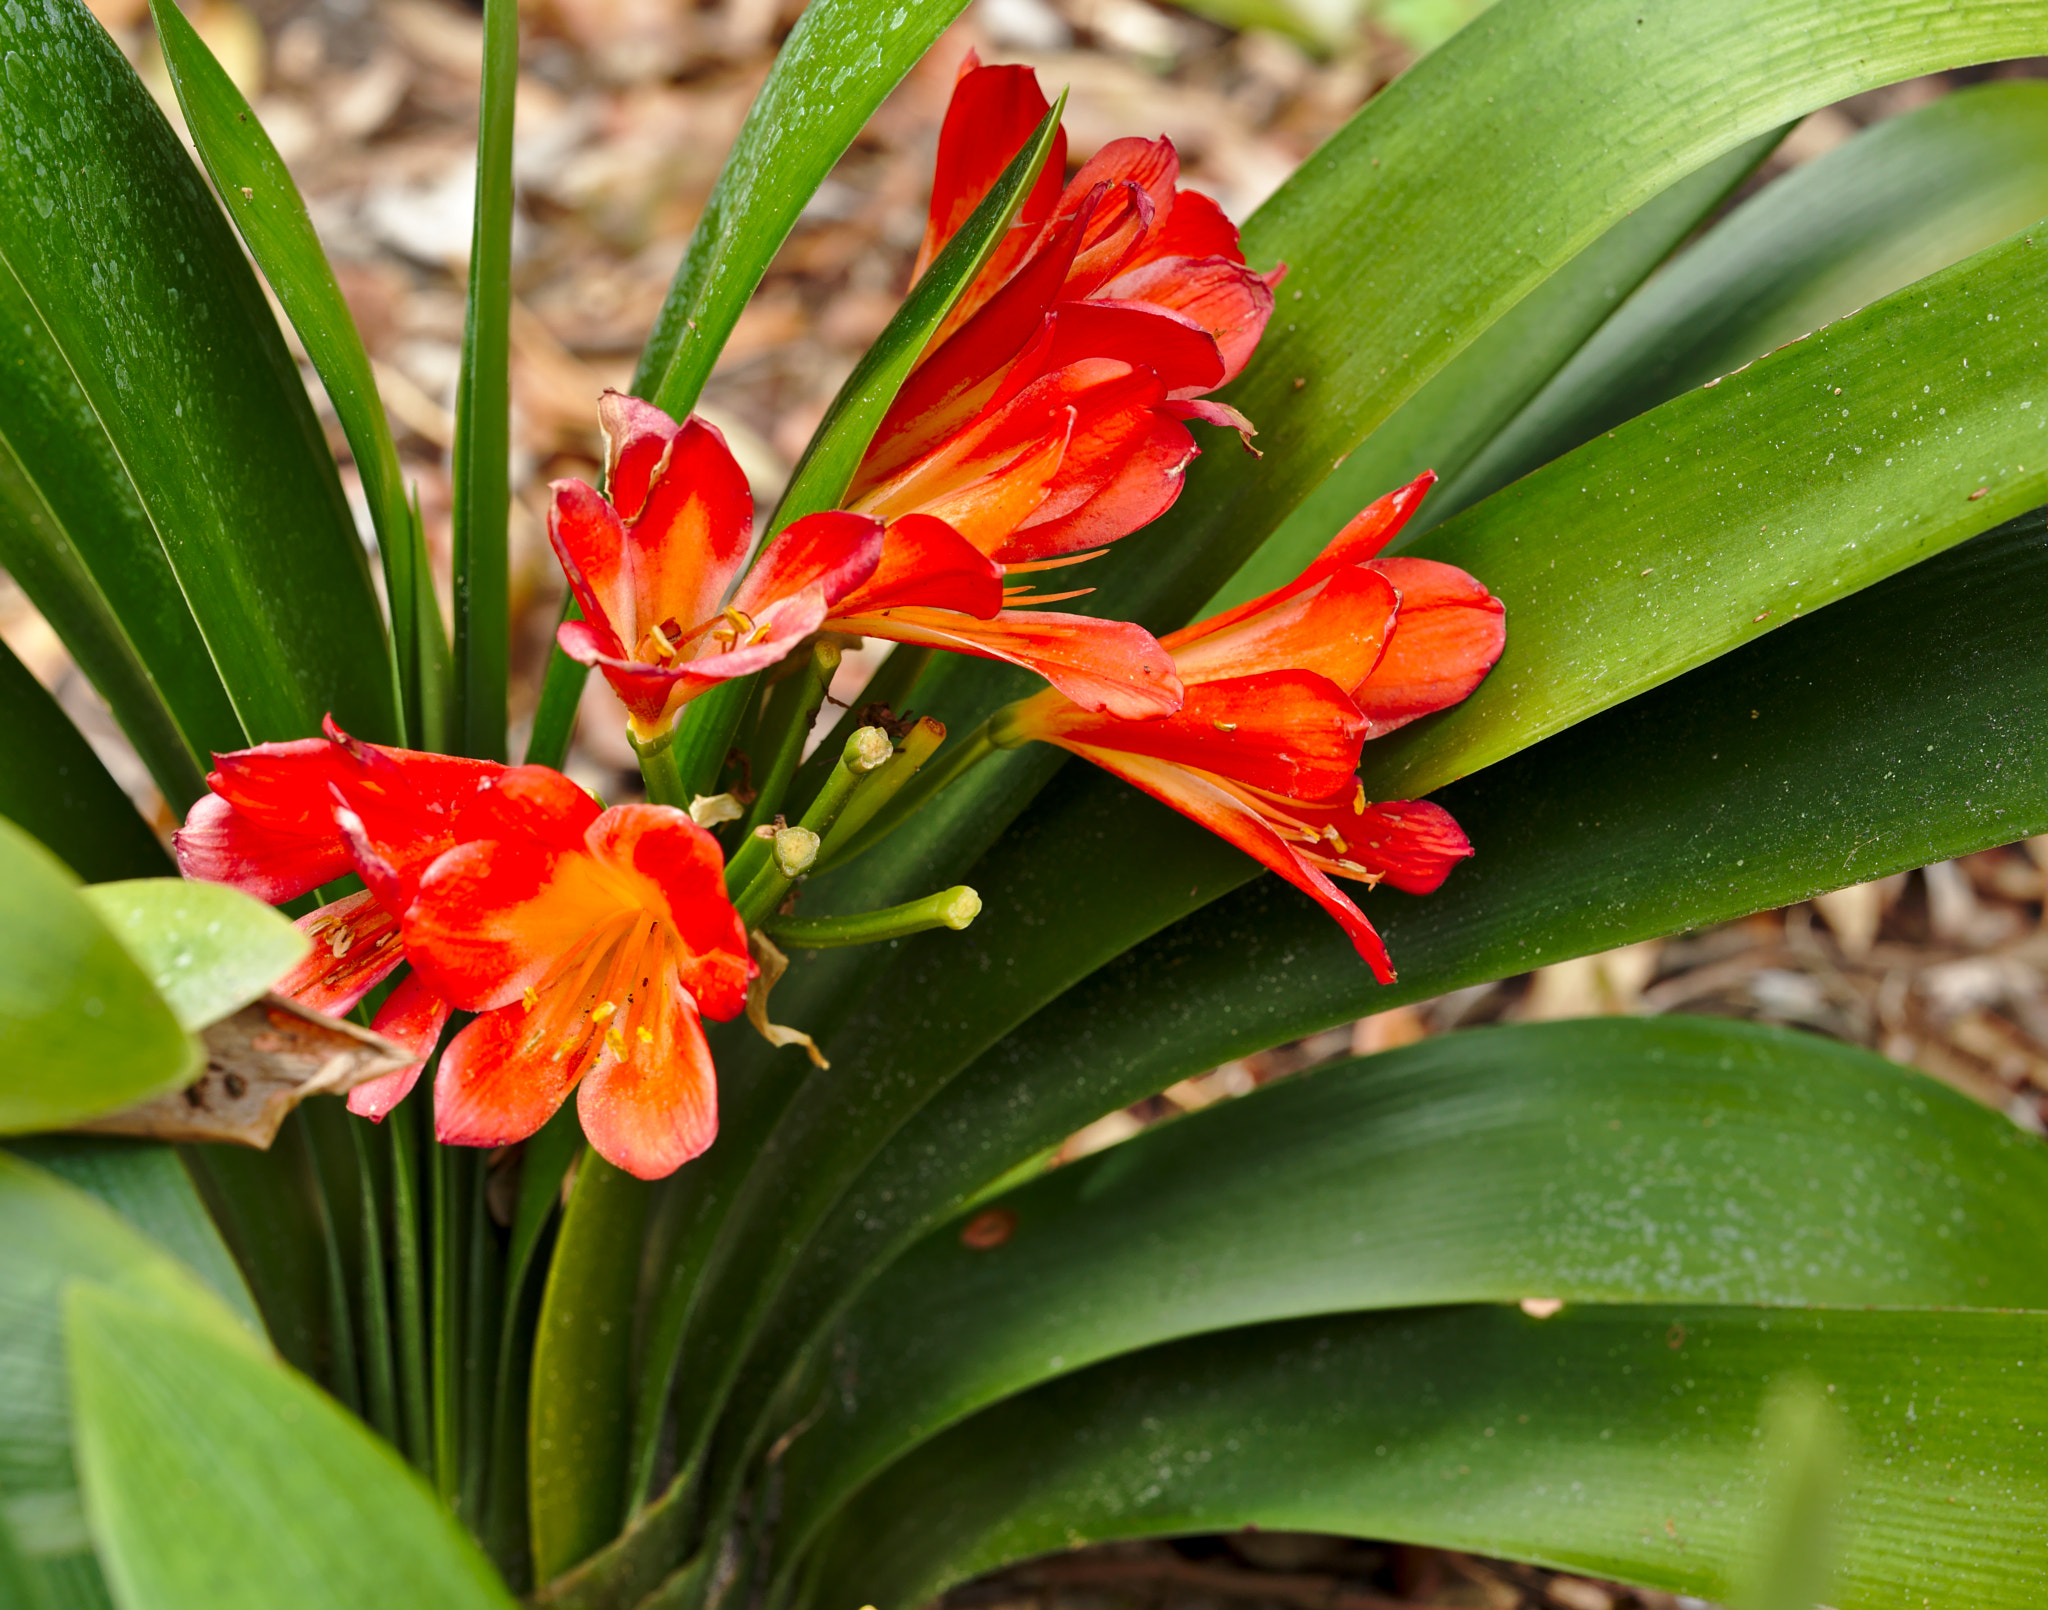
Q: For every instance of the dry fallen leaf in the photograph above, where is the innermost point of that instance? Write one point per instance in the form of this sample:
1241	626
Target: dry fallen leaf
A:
260	1064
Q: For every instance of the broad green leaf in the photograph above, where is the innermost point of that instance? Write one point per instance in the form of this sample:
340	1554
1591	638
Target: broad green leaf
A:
834	453
582	1370
1902	200
207	949
1887	733
81	1030
55	787
840	60
1457	415
1616	1441
75	538
143	290
1680	1160
215	1475
481	470
52	1234
148	1186
1460	189
258	192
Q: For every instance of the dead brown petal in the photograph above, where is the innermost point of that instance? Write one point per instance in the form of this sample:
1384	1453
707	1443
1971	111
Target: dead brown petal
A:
260	1064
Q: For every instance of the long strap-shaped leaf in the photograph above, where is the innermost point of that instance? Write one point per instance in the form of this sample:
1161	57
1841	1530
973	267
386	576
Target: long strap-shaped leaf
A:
75	538
1681	1160
1618	1441
1925	681
144	291
1904	199
259	194
1555	552
55	788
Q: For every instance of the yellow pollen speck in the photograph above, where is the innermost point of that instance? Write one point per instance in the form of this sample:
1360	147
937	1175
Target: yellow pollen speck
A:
604	1010
615	1042
646	1034
1358	801
1226	726
532	998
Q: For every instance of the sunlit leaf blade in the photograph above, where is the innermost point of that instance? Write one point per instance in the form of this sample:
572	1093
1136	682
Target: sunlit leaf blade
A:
1904	199
1680	1160
1457	415
57	1234
120	248
838	63
1615	1441
206	948
301	1504
81	1030
55	787
1402	259
257	189
148	1186
821	476
481	471
76	539
1890	732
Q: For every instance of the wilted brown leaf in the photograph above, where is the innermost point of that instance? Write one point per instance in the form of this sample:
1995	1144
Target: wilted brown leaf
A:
260	1064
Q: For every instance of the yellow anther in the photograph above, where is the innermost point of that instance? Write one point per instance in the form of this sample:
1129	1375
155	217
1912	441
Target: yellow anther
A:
668	649
604	1010
615	1042
1358	801
532	998
1336	841
1226	726
646	1034
341	941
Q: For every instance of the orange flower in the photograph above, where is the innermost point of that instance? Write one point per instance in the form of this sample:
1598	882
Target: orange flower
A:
1282	693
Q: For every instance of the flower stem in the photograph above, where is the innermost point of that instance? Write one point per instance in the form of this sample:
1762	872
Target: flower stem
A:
891	686
901	794
792	709
950	908
766	867
658	768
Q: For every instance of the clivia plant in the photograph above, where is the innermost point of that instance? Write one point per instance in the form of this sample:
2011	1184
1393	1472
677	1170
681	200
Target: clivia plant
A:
687	1236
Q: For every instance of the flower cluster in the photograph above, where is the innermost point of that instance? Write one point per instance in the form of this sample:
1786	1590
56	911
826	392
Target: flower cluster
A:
1047	419
588	941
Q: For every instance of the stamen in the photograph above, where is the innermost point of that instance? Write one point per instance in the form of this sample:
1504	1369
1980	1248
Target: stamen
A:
646	1034
1358	799
615	1043
341	941
604	1010
1225	726
532	998
1336	841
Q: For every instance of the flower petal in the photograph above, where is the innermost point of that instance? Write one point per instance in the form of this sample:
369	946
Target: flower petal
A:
690	540
355	948
414	1016
590	543
1122	475
991	115
1411	844
220	843
1338	629
496	1085
1196	227
676	870
1176	348
1211	803
1224	298
1103	666
926	562
1448	635
654	1108
493	918
834	551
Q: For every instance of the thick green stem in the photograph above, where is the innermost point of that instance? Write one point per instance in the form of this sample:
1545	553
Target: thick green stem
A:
901	796
402	1129
792	710
951	908
793	851
658	768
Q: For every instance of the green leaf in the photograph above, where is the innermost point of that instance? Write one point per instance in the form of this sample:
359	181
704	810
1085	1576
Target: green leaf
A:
840	60
209	950
1455	417
76	539
481	468
214	1475
142	288
258	192
1902	200
55	787
1889	732
81	1030
1617	1441
148	1186
1455	193
54	1235
1680	1160
582	1370
834	452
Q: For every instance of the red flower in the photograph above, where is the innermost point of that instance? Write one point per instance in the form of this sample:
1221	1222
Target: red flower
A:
1282	693
651	565
589	941
1048	418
